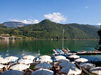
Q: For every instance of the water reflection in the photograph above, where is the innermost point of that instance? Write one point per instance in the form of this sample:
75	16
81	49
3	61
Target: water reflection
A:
7	54
39	47
4	41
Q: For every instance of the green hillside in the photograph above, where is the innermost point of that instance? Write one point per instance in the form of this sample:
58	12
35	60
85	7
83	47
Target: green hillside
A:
2	29
78	31
51	30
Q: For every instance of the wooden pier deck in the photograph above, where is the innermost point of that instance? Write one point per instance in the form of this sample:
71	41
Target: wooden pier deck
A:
84	53
89	53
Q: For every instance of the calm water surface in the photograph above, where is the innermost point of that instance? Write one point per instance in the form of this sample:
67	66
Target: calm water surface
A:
33	47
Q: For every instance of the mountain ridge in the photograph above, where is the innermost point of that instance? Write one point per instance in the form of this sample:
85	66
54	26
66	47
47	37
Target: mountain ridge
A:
51	30
48	30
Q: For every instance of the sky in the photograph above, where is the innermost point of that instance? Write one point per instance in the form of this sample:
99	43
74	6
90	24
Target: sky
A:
59	11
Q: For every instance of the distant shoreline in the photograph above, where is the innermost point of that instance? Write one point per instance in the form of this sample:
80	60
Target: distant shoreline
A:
33	38
49	39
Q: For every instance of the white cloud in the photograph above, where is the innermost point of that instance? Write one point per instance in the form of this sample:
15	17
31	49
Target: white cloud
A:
99	24
36	21
86	7
28	21
55	17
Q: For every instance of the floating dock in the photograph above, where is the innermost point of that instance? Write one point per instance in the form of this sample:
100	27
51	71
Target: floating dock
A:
89	53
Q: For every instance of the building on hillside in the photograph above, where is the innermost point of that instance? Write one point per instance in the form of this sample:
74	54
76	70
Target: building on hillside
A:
5	35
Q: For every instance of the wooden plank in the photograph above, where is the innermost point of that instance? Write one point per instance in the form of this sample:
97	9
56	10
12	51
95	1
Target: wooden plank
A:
85	72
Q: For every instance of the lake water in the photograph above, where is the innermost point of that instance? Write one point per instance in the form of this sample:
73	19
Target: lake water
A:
33	47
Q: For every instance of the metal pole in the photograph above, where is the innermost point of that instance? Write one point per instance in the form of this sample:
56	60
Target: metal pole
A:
63	40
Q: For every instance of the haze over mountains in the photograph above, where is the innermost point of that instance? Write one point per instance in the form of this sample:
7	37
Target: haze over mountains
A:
14	24
51	30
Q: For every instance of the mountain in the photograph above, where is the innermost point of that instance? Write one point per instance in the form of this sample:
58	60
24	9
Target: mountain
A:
97	26
51	30
14	24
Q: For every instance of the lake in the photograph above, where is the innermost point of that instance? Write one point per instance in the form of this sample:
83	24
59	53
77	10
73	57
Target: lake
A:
33	47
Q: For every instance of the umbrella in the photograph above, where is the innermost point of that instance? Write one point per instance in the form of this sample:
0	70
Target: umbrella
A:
74	56
45	60
81	60
96	70
63	60
60	57
3	61
65	64
11	58
43	65
45	57
1	57
1	66
25	61
12	72
87	65
29	57
71	70
19	67
43	72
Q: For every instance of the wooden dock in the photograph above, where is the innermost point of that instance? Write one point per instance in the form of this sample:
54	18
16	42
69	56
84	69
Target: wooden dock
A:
84	53
89	53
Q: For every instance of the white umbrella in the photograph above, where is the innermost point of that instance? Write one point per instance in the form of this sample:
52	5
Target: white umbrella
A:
1	57
96	70
1	66
71	70
43	65
12	72
74	56
60	57
43	72
45	57
3	61
87	65
19	67
46	60
29	57
11	58
65	64
25	61
63	60
81	60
